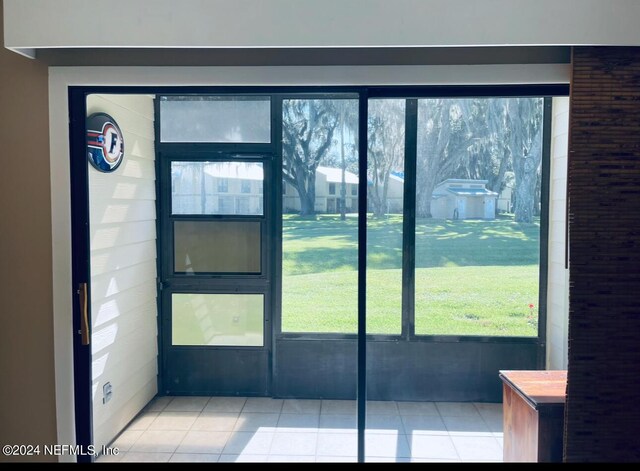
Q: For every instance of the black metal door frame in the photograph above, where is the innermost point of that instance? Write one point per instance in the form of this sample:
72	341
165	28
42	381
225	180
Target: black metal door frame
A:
80	216
200	358
80	271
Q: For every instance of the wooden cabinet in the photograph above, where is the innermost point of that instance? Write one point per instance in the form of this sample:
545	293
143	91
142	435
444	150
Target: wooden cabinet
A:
533	409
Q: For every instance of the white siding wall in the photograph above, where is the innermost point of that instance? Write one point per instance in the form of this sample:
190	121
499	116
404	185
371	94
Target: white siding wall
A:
558	281
123	269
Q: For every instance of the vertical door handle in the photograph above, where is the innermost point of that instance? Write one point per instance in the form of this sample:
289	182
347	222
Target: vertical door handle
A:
84	314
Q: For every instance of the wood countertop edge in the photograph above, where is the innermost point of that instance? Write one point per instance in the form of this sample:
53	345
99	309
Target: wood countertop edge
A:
537	402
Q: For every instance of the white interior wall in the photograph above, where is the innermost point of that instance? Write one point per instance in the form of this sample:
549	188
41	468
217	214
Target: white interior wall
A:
123	269
558	276
36	24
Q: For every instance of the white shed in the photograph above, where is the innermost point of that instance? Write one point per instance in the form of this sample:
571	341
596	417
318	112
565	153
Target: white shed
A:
463	199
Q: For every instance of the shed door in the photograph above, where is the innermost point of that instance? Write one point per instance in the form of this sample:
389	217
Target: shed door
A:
462	208
489	208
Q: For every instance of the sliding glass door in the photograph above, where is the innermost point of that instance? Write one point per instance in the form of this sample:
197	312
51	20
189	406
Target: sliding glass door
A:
365	256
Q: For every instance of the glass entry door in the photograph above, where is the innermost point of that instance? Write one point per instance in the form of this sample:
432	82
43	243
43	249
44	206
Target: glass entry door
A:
215	285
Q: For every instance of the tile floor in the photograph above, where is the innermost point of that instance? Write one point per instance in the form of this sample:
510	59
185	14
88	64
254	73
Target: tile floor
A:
224	429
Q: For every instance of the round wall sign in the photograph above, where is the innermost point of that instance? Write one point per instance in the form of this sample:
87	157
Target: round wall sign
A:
105	144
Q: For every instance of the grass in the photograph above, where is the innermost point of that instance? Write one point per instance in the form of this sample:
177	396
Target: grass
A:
472	277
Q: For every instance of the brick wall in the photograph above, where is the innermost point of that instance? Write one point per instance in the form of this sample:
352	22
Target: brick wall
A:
603	394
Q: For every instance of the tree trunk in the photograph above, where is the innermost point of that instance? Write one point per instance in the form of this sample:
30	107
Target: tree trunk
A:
307	206
375	199
496	181
385	192
526	173
424	197
306	192
433	163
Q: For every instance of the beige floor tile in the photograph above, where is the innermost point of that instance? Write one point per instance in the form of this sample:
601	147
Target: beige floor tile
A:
225	404
336	459
385	424
173	421
291	459
244	458
190	429
256	422
494	421
424	425
301	406
203	442
382	459
489	407
141	457
298	443
249	443
298	422
263	404
143	420
194	458
152	441
382	407
187	404
417	408
126	439
215	422
461	425
387	445
336	444
457	408
478	448
333	407
111	458
158	404
432	447
330	423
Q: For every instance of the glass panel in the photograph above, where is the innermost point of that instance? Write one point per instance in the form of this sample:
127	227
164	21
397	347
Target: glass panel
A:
229	188
215	119
320	216
385	438
217	247
217	319
385	167
478	216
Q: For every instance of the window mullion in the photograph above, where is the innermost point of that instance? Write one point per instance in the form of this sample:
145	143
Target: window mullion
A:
409	220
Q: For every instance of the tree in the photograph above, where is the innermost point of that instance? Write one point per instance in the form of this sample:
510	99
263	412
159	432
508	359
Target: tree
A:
489	156
480	139
444	138
524	118
307	135
348	111
385	149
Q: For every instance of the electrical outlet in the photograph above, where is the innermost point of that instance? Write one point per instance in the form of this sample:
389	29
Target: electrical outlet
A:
107	392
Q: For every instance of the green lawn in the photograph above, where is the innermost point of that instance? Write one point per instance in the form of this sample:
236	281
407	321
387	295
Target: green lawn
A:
472	277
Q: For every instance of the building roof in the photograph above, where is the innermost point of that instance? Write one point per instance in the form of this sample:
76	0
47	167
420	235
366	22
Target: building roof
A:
463	180
472	191
442	188
237	170
334	175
